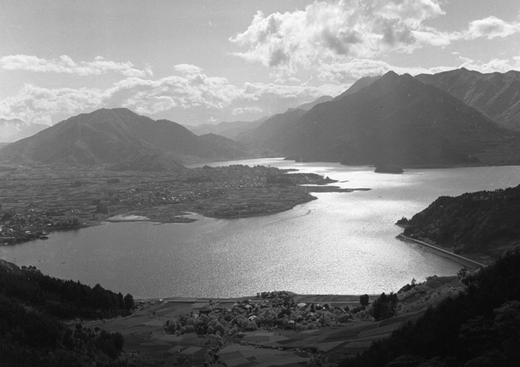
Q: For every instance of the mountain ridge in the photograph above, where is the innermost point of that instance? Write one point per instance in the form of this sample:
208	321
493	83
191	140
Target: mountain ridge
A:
392	119
497	95
116	136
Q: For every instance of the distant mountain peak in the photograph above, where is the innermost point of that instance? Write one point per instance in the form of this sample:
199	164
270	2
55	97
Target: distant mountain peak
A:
393	119
392	81
358	85
121	138
390	74
497	95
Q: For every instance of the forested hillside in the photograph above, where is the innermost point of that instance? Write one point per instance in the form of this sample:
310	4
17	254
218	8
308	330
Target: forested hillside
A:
32	309
478	328
483	222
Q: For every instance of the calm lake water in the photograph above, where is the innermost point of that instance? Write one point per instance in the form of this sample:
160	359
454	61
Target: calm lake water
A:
342	243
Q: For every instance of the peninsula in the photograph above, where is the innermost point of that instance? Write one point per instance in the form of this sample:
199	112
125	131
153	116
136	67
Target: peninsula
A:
38	199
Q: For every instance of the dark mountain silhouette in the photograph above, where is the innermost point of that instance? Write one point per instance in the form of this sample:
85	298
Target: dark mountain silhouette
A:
358	85
483	222
392	119
16	129
118	137
496	95
308	106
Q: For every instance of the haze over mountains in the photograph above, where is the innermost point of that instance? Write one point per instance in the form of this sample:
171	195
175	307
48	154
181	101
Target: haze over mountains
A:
16	129
459	117
228	129
238	129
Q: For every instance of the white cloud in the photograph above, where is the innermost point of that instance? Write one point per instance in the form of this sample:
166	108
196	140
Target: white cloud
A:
348	72
492	27
64	64
188	69
36	104
243	110
187	91
494	65
338	32
190	91
327	32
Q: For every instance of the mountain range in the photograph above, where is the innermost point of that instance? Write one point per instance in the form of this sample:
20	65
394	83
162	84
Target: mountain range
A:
122	138
459	117
390	119
238	129
228	129
497	95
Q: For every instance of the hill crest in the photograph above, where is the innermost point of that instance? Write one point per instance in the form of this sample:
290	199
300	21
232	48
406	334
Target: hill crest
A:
117	136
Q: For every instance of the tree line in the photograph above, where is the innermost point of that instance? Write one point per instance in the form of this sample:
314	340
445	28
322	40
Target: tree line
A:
32	333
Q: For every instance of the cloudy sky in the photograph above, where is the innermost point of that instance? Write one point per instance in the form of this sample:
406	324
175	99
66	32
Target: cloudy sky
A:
205	61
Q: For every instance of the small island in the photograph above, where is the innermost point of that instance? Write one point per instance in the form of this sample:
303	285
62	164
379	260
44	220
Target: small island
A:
388	168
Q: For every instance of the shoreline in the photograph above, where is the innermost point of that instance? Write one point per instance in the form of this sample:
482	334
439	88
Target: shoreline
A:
444	253
348	299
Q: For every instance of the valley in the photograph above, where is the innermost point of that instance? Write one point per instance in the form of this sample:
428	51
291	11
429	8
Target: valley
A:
114	165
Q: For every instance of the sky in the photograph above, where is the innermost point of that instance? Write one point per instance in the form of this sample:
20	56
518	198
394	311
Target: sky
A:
208	61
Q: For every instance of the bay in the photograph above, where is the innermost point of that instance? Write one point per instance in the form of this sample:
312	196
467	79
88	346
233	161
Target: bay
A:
342	243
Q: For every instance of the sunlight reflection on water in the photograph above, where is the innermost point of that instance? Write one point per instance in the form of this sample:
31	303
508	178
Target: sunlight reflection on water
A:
339	244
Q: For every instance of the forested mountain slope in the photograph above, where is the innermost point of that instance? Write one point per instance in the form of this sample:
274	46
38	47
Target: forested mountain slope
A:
33	308
477	328
479	222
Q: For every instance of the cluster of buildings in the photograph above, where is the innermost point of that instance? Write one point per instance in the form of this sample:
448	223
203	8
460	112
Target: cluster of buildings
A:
31	224
195	184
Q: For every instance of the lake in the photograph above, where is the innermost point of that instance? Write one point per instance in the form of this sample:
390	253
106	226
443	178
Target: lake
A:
342	243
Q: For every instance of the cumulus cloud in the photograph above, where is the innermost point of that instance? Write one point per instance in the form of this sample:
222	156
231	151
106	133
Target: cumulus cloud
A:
190	91
340	31
37	104
494	65
243	110
492	27
348	72
65	64
335	31
188	68
187	91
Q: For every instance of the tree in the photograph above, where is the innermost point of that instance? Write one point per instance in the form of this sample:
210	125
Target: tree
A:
129	302
364	300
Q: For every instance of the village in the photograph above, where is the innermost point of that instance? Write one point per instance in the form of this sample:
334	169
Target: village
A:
283	327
